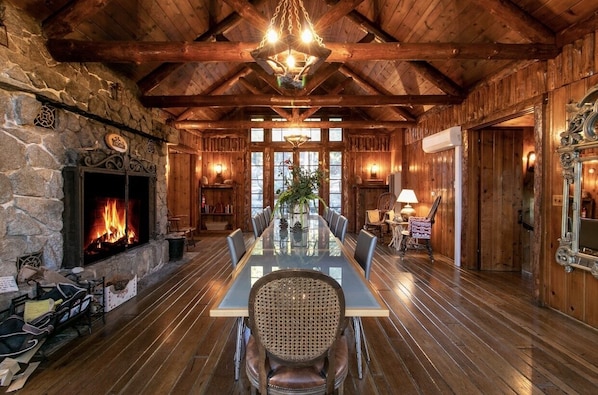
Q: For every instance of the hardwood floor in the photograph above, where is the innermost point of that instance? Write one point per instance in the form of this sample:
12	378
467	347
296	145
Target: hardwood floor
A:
450	331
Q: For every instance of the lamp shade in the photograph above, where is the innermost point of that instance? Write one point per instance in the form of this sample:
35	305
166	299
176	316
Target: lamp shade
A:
407	196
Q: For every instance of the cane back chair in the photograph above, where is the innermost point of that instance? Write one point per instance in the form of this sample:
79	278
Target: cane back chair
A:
297	318
376	219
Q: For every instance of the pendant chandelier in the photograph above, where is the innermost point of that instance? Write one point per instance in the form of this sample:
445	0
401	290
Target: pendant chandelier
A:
291	49
297	140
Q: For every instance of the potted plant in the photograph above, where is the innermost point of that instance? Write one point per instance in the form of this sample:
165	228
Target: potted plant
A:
301	189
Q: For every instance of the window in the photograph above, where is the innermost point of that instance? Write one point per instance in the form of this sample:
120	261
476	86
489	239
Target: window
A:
309	160
281	170
257	134
335	134
335	162
257	182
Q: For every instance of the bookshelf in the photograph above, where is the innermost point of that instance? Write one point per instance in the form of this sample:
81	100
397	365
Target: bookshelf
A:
217	209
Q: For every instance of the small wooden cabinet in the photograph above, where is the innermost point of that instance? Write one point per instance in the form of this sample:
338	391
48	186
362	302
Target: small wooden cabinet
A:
217	208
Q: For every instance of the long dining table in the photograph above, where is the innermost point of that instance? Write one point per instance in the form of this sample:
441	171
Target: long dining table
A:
313	248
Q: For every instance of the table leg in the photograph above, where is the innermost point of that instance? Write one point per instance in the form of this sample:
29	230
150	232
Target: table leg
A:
238	346
357	330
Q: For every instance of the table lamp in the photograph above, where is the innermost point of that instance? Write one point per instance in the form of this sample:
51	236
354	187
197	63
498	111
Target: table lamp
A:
407	196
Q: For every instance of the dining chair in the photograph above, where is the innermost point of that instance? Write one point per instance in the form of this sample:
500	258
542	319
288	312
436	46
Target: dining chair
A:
297	346
268	211
364	253
236	248
341	228
325	214
265	218
257	226
333	221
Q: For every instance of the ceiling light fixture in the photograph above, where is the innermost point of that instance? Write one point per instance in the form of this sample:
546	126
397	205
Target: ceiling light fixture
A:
296	139
290	49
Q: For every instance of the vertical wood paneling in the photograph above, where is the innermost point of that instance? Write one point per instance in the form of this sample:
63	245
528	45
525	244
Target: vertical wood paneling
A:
564	79
500	200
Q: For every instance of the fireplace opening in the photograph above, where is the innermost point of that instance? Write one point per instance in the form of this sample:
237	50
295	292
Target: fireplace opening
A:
114	215
109	206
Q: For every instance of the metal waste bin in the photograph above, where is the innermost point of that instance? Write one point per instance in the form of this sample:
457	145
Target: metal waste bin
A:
176	247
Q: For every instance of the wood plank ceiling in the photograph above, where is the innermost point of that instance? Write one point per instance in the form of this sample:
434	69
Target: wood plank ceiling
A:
391	61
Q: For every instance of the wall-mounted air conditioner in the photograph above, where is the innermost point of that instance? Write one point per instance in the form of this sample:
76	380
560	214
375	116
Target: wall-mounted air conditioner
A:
447	139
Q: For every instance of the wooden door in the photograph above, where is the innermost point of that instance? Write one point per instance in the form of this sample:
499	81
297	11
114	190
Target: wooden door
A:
500	199
181	184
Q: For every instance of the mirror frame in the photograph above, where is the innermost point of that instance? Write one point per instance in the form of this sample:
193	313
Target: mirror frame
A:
581	135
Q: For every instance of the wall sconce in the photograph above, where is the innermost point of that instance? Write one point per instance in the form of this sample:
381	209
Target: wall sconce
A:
531	161
374	171
218	169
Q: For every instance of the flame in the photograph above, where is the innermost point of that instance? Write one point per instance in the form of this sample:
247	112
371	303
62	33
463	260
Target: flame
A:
115	224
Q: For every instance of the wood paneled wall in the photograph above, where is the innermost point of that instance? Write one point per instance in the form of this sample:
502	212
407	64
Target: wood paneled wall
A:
547	88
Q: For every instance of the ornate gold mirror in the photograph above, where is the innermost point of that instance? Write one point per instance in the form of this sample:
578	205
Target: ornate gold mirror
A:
578	245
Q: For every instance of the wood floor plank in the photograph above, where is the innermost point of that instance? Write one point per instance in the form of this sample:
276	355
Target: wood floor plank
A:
449	331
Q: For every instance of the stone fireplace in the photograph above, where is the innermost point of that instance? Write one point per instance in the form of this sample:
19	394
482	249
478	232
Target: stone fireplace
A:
109	205
53	116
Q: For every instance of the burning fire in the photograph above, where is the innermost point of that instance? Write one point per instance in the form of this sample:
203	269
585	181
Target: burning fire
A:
115	224
114	227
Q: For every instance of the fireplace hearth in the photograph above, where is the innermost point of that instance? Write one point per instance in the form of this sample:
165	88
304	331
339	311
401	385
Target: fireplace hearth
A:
109	206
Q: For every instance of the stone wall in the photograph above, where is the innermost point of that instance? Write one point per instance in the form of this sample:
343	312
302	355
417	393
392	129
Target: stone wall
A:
46	109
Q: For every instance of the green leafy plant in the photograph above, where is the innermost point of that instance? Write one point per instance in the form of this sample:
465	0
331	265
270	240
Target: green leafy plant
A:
301	188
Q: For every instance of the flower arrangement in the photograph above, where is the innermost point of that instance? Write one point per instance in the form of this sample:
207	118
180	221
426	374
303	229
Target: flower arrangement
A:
301	188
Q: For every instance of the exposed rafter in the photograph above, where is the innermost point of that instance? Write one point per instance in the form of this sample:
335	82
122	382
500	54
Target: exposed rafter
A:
65	21
297	101
223	125
152	51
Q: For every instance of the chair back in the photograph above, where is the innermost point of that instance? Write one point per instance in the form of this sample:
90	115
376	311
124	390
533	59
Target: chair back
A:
333	221
341	228
296	317
364	251
257	226
236	246
325	214
386	202
432	213
268	211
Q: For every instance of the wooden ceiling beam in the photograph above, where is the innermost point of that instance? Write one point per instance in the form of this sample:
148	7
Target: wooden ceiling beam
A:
219	89
297	101
146	51
67	19
368	86
576	31
518	20
223	125
256	19
425	69
153	79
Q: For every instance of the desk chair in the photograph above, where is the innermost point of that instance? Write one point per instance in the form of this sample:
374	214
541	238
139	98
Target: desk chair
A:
297	344
236	248
364	253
